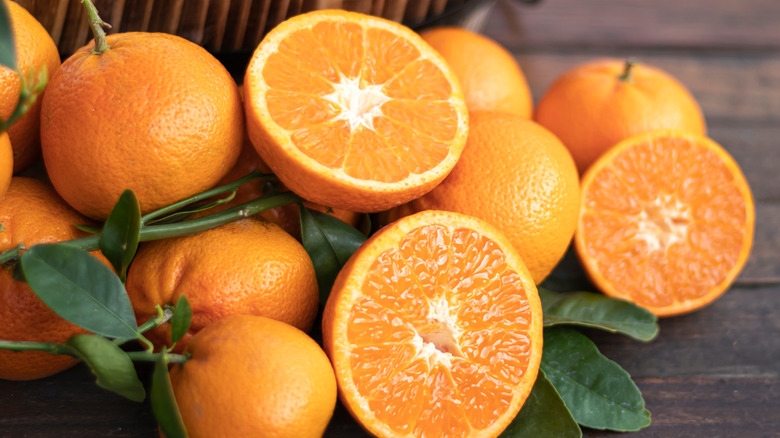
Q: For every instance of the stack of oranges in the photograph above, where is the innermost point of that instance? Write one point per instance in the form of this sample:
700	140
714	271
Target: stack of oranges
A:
434	326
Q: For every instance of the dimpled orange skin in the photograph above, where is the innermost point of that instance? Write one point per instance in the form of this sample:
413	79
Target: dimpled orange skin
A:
250	266
518	177
6	163
490	77
34	50
590	109
32	213
252	376
155	113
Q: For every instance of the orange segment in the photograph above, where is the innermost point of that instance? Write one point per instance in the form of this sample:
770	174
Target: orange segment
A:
667	221
434	328
353	111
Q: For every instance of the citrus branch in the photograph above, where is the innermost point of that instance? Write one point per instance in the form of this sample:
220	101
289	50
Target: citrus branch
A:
47	347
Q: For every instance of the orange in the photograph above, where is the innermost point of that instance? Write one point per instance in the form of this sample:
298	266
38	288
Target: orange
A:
286	216
667	221
517	176
35	51
155	113
434	328
593	106
32	213
489	75
353	111
251	376
6	163
246	267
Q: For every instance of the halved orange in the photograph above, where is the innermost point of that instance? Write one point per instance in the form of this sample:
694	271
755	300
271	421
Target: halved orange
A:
434	328
666	221
353	111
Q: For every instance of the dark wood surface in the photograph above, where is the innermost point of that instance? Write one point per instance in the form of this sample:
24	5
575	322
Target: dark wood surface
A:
714	373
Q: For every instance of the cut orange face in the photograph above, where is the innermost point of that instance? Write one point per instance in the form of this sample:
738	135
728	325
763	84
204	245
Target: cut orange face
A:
666	221
434	328
353	111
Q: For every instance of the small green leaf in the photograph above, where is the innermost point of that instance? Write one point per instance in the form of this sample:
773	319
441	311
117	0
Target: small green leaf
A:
330	242
188	211
121	233
7	43
91	229
80	288
365	224
544	415
182	318
163	401
113	368
598	392
594	310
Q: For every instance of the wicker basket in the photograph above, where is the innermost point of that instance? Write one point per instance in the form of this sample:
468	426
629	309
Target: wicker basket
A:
232	25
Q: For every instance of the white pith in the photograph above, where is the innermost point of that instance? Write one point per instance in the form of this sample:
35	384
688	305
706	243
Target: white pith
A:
359	104
440	337
663	222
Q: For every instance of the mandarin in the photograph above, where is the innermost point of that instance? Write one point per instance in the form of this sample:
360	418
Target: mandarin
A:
595	105
250	376
517	176
154	113
434	328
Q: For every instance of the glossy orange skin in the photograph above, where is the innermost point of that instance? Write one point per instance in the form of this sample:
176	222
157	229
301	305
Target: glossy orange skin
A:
253	376
518	177
6	163
246	267
32	213
155	113
35	50
490	77
591	109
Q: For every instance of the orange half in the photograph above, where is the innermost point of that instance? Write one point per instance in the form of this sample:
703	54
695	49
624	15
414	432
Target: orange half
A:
353	111
666	221
434	328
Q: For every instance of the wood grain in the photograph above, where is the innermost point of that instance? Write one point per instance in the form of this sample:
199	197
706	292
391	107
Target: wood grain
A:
717	25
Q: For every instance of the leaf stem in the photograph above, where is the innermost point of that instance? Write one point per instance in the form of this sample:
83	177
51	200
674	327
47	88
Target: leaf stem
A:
156	232
164	314
626	76
205	195
48	347
143	356
97	25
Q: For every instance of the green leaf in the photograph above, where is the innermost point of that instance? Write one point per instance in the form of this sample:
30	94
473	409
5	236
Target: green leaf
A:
598	392
7	44
80	288
91	229
330	242
113	368
163	401
188	211
598	311
365	224
544	415
121	233
182	318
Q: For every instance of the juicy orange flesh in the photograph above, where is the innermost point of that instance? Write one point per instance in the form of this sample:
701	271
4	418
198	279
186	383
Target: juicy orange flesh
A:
438	336
362	100
665	220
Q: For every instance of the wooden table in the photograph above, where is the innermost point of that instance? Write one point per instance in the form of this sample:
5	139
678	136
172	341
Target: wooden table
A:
715	373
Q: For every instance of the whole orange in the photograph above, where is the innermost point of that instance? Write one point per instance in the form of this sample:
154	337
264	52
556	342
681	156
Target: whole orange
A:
35	50
253	376
32	213
6	163
517	176
246	267
155	113
489	75
286	216
594	106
